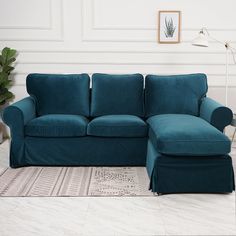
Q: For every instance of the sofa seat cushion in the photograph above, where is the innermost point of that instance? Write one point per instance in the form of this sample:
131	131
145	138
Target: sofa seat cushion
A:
57	125
186	135
117	126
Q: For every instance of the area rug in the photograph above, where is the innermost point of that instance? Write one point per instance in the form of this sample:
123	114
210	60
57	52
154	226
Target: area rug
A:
74	182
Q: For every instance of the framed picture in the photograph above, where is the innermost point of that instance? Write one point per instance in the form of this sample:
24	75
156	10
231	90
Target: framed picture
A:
169	26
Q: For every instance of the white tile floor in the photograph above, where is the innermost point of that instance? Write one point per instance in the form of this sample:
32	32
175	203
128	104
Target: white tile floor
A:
174	214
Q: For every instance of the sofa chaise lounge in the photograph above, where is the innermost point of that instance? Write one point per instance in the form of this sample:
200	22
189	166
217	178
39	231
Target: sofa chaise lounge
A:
170	126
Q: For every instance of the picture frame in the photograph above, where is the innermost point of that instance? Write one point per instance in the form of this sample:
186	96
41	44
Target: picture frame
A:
169	26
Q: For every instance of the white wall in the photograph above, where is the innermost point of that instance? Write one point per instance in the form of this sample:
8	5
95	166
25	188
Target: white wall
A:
116	36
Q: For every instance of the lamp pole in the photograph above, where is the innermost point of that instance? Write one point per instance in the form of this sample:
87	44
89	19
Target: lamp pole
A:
227	73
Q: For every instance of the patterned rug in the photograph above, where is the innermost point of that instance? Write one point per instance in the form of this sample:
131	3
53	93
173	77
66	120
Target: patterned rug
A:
74	181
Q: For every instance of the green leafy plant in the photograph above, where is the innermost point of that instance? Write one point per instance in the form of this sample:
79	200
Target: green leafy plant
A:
7	57
169	28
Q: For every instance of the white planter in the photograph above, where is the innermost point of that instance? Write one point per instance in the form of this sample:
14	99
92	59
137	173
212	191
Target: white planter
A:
1	136
3	128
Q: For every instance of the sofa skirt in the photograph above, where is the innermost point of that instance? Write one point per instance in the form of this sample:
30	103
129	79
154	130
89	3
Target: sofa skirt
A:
175	174
81	151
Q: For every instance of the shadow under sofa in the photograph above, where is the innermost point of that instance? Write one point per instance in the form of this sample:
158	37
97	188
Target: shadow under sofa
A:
170	126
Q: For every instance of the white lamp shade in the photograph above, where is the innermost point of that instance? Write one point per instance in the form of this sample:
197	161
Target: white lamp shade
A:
201	40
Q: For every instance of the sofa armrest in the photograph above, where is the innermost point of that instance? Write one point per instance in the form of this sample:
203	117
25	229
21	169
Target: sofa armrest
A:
17	115
216	114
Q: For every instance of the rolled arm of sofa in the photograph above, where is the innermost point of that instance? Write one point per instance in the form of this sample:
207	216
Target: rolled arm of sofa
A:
216	114
19	114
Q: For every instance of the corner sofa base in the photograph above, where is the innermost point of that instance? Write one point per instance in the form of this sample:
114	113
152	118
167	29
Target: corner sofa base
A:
80	151
175	174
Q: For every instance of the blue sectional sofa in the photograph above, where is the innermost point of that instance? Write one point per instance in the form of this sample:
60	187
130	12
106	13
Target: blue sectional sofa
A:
170	126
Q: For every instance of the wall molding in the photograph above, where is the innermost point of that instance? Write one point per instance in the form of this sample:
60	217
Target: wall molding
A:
152	28
222	52
210	86
121	63
31	40
26	27
130	28
48	27
42	30
144	74
93	28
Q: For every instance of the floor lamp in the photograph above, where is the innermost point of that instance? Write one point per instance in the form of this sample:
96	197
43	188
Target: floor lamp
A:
202	41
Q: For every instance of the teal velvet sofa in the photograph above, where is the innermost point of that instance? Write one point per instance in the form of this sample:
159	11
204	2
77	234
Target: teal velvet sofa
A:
170	126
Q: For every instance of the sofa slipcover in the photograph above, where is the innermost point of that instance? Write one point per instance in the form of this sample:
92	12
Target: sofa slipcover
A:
81	151
216	114
186	135
186	174
59	94
117	95
180	139
175	94
117	126
57	125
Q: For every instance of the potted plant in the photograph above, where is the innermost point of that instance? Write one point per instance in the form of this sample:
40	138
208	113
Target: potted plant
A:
7	58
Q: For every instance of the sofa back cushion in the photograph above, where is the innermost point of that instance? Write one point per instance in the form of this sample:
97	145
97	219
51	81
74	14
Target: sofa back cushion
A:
59	94
117	95
174	94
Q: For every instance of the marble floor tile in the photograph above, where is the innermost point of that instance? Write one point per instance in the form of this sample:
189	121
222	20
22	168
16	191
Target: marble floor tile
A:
125	216
43	216
199	214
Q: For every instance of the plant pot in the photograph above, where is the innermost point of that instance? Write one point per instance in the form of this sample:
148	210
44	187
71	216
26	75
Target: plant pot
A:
1	136
3	128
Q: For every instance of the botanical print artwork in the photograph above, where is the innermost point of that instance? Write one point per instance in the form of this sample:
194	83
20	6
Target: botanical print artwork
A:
169	27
